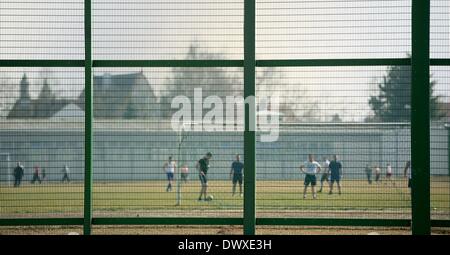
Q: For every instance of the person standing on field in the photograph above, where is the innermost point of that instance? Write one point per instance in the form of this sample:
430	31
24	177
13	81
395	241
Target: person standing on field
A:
336	174
169	168
184	173
388	172
236	174
18	174
36	175
377	174
66	173
368	171
407	173
203	167
310	168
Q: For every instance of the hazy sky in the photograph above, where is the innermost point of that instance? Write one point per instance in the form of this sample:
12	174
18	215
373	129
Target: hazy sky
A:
286	29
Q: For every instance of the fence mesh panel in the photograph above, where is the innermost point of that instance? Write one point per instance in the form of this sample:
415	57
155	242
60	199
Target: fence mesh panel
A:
35	29
327	111
134	139
440	29
439	144
332	29
42	131
440	134
332	78
167	29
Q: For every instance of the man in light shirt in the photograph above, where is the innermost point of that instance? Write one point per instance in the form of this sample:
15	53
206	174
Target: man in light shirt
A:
66	172
169	168
310	168
389	175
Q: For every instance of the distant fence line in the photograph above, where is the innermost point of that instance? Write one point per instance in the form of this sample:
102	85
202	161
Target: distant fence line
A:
138	150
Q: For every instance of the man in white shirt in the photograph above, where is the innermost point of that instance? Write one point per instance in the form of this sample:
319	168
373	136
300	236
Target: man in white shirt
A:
169	168
310	168
388	172
66	173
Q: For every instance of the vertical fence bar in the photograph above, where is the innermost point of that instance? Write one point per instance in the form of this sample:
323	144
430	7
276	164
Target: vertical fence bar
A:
420	117
87	226
250	117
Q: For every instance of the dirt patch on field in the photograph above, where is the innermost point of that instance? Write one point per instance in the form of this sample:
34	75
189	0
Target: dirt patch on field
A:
211	230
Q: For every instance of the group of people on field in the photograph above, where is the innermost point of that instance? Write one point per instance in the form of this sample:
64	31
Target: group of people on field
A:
38	174
169	168
310	168
202	165
332	172
369	170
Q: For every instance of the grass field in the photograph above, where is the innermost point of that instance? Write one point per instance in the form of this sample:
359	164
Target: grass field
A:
274	199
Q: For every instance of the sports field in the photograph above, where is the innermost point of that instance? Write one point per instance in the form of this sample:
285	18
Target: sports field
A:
274	199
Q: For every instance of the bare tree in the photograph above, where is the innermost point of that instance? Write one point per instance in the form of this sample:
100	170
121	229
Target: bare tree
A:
217	81
295	104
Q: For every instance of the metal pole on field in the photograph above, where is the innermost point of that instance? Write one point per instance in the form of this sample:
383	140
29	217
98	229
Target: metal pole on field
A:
420	117
250	117
88	95
178	174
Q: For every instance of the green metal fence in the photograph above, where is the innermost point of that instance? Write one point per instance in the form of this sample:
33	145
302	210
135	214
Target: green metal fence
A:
100	147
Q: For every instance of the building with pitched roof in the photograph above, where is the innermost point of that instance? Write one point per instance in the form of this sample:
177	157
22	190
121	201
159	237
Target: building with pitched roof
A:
125	96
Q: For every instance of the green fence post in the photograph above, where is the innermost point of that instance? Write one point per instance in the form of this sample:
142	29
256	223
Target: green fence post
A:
87	226
420	117
250	117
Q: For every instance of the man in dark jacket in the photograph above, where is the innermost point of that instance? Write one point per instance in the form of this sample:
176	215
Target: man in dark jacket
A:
18	174
203	167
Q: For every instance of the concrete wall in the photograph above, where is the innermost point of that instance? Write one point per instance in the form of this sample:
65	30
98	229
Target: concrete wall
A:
139	155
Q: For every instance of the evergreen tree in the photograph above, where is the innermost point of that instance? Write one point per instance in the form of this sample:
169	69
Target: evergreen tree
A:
393	103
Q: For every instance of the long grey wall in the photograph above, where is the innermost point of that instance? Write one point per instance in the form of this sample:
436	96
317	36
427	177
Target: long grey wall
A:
139	155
